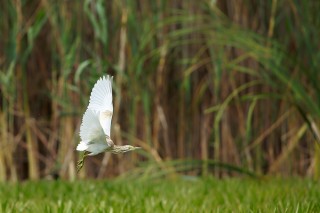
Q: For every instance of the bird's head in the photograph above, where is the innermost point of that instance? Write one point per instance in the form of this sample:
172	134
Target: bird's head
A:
127	148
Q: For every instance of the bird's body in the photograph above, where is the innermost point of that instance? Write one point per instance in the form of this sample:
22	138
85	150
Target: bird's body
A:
96	123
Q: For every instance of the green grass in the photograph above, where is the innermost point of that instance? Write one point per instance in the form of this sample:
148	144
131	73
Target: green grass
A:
181	195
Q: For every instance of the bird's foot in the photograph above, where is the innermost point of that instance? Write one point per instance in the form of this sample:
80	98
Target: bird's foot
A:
81	162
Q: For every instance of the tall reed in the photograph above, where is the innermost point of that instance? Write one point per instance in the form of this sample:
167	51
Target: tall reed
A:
233	85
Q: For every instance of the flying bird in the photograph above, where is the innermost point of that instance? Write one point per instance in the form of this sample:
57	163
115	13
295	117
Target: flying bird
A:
96	123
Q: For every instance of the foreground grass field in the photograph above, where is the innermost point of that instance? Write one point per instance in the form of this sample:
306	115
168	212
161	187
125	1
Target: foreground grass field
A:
181	195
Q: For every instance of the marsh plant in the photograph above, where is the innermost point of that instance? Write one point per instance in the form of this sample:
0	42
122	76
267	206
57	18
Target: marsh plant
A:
198	84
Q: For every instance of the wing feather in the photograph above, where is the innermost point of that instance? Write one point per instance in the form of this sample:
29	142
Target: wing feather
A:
101	95
105	121
101	102
90	129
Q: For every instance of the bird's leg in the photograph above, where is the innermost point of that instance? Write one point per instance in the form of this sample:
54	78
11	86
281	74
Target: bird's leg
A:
81	161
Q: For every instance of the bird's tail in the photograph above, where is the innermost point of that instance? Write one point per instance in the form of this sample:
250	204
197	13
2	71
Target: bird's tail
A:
82	146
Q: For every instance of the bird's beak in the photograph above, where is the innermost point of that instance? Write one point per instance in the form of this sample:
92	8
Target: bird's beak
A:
136	147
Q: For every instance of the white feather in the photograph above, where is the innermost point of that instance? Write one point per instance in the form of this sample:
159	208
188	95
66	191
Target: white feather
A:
90	128
101	95
82	146
93	138
96	148
105	121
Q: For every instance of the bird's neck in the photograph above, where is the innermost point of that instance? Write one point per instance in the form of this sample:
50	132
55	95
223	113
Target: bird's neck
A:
118	149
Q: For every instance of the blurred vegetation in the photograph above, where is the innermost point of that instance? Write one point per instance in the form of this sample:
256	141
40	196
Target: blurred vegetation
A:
196	195
205	87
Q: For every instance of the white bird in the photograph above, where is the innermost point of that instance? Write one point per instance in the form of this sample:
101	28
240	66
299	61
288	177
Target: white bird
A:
96	123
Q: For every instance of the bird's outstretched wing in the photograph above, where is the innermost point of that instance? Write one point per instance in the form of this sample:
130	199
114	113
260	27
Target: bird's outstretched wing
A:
101	95
101	102
90	130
